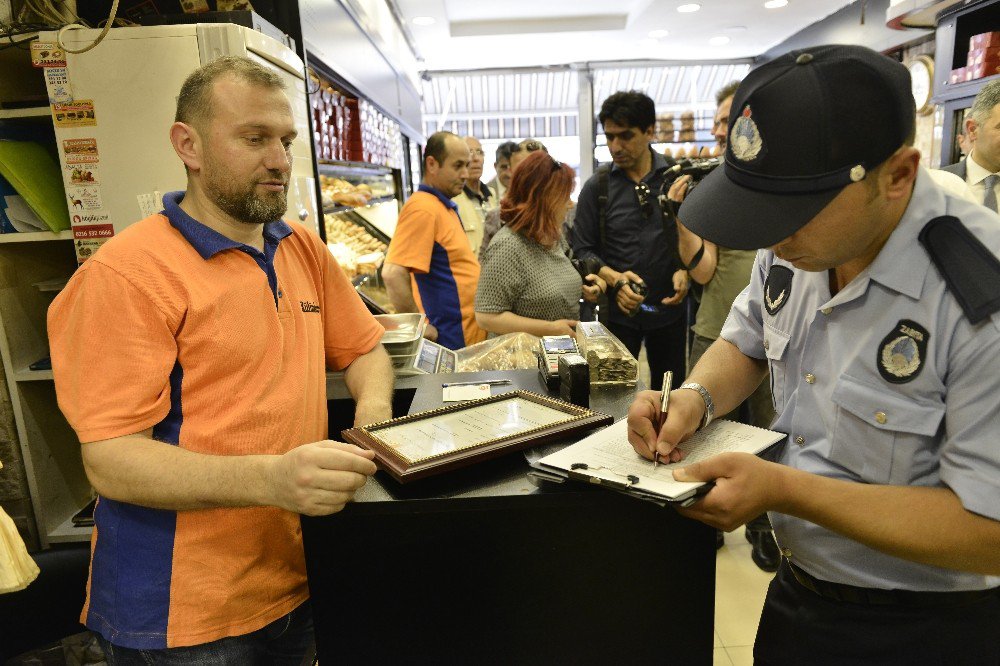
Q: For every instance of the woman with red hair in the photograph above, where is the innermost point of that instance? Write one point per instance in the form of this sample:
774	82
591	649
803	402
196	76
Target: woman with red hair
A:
528	282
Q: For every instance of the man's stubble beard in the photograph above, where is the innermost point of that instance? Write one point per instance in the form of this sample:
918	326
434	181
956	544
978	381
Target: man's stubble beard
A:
245	204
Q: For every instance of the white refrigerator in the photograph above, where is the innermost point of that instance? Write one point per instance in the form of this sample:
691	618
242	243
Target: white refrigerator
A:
113	105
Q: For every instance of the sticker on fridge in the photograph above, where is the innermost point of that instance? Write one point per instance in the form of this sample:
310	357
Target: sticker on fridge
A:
194	6
81	174
80	151
79	113
86	247
47	54
84	198
57	83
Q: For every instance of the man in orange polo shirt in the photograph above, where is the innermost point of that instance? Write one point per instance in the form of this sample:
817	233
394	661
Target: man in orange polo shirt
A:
189	356
430	244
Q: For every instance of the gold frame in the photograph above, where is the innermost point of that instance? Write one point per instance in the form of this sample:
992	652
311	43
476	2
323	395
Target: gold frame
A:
404	468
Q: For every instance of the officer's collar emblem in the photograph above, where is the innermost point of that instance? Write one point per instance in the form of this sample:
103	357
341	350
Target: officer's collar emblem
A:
903	353
745	142
777	288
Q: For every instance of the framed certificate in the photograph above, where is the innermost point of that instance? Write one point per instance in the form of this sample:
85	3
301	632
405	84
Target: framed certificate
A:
427	443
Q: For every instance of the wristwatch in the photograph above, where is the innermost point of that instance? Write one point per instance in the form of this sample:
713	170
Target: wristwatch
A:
709	404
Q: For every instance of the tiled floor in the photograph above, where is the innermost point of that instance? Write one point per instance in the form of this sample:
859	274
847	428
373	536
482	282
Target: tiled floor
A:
739	596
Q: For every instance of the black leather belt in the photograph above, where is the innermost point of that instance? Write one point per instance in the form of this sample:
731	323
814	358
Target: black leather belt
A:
868	596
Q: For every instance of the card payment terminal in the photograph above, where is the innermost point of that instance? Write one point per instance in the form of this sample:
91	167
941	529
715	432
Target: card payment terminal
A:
550	348
430	358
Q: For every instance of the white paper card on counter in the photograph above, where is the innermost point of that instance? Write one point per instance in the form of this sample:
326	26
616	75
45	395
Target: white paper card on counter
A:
463	393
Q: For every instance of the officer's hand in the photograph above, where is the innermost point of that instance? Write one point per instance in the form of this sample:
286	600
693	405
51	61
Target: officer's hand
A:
318	479
745	486
678	189
647	434
681	284
430	332
627	299
593	287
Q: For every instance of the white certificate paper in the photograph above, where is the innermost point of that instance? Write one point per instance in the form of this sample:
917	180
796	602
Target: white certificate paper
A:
454	431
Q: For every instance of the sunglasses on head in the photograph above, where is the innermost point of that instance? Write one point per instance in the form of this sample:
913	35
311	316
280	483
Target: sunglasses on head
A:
642	193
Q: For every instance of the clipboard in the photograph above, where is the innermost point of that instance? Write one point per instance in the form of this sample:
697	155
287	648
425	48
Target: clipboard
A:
606	459
439	440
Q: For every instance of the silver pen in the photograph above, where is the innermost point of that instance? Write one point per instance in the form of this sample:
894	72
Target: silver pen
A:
668	384
490	382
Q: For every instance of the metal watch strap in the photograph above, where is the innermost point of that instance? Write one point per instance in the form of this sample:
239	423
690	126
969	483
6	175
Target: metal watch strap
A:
709	404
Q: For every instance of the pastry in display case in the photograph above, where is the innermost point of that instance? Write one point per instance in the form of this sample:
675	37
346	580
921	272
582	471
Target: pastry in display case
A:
360	212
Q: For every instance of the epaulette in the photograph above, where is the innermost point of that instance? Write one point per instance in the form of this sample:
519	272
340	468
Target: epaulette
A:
970	269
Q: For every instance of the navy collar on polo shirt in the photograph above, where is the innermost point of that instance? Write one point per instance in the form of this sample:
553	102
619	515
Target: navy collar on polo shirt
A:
440	195
209	242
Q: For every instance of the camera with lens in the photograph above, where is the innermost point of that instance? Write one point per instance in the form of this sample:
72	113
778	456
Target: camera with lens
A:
697	168
639	289
587	267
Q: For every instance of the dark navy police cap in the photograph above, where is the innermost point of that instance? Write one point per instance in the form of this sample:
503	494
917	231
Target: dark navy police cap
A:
802	127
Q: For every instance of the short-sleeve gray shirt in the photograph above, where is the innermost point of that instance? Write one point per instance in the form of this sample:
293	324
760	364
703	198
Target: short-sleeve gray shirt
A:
521	276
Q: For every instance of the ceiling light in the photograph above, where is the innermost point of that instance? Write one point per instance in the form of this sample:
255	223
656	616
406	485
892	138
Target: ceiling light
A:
775	4
735	28
658	34
720	40
423	20
687	9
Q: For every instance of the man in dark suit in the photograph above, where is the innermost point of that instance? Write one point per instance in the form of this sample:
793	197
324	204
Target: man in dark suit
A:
981	168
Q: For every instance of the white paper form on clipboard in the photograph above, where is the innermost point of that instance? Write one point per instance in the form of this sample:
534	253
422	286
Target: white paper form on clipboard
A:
606	458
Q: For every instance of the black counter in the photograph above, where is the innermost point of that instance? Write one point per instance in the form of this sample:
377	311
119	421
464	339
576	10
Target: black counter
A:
479	565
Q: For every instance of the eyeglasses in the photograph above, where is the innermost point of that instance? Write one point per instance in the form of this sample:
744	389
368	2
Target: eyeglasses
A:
642	193
478	151
531	146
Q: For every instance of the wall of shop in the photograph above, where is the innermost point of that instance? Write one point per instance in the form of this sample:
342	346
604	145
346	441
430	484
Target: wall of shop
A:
862	23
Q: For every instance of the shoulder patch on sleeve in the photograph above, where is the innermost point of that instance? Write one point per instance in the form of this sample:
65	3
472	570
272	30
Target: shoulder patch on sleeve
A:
970	269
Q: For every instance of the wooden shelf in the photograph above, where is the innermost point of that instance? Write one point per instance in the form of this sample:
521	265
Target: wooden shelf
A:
33	236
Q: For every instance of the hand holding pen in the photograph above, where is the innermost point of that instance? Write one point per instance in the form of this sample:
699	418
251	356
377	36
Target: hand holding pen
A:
668	385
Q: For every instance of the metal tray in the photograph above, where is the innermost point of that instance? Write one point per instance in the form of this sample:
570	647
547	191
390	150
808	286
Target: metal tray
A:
402	331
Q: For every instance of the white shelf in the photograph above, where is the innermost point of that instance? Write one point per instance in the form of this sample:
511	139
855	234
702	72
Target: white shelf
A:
67	532
36	236
28	375
30	112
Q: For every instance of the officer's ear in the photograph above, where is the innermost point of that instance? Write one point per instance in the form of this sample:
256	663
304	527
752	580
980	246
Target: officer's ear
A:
899	172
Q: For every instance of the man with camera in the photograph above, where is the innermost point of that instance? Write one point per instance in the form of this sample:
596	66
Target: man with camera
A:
620	225
725	272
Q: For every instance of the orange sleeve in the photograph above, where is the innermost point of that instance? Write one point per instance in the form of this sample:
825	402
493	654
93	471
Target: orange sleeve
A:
112	354
413	240
349	328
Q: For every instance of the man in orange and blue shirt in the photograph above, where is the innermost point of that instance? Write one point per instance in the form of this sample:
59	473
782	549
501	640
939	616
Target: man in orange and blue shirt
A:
189	355
430	244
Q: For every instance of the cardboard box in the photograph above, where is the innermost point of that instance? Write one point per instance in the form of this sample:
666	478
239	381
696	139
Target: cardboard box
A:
977	56
984	40
957	75
981	70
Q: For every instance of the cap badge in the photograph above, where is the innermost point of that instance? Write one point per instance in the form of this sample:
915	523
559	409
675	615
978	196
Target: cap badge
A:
777	287
744	139
857	173
902	352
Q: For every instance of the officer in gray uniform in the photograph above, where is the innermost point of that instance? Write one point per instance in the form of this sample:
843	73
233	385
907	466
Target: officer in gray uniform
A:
875	308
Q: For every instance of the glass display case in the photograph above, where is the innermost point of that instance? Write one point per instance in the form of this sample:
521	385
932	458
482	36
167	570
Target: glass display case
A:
360	208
